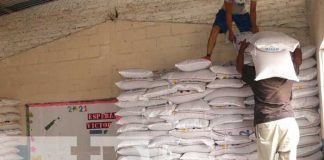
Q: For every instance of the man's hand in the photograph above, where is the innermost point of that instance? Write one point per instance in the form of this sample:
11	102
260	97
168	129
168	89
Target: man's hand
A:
254	29
297	57
243	46
231	36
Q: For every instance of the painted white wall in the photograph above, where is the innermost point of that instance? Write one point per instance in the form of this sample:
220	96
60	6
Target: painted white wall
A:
316	18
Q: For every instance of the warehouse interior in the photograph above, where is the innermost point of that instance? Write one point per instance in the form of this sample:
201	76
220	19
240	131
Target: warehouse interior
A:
72	50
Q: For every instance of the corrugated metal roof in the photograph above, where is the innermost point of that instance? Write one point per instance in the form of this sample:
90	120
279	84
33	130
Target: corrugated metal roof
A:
9	6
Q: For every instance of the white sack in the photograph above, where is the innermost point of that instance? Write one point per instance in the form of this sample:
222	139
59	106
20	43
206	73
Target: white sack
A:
307	74
136	73
162	110
164	140
12	132
130	143
308	51
309	150
309	131
8	103
309	140
9	117
134	111
241	128
225	119
195	86
196	133
140	84
9	109
234	149
10	144
270	41
308	92
192	123
141	151
158	91
230	111
10	126
247	54
5	138
304	123
184	149
136	135
8	150
168	156
227	101
249	100
185	115
247	117
11	156
193	64
311	116
178	99
198	105
278	64
251	156
306	102
131	95
132	127
316	156
206	141
230	92
234	140
161	126
200	76
226	83
196	156
229	70
133	84
138	119
170	140
123	104
305	84
307	63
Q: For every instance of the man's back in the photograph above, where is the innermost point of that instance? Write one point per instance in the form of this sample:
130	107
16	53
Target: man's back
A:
272	97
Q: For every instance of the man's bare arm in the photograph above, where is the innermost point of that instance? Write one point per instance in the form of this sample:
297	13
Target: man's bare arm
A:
240	56
297	57
253	17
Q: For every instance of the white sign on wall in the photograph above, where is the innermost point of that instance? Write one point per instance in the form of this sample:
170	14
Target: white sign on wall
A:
65	130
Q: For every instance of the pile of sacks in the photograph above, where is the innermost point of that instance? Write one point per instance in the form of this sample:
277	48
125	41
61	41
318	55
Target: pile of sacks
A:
10	128
202	112
194	112
306	106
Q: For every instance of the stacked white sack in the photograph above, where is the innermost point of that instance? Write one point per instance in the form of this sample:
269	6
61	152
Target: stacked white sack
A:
191	113
10	129
305	103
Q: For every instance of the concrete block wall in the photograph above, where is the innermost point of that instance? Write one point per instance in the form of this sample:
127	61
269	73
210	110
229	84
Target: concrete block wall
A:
46	23
71	50
84	65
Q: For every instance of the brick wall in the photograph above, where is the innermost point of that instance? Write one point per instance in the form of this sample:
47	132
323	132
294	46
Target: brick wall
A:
46	23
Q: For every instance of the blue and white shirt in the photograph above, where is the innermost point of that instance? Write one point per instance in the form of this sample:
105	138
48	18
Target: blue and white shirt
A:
239	5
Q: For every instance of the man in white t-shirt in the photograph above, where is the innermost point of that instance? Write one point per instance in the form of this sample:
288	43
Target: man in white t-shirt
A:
232	10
